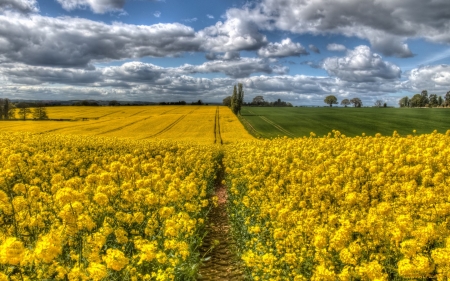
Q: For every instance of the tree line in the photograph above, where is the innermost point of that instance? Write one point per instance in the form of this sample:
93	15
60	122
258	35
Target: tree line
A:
425	100
236	100
8	110
330	100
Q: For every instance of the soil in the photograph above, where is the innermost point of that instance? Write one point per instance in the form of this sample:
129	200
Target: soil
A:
220	261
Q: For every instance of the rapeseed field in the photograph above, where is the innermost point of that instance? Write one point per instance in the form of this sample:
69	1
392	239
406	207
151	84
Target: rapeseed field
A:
184	123
128	199
338	208
83	208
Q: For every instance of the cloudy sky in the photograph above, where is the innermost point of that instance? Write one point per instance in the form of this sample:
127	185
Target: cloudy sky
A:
296	50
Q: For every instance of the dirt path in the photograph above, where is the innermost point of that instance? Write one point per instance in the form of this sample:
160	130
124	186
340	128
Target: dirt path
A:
222	263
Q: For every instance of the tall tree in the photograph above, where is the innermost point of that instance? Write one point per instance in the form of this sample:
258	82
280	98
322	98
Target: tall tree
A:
40	112
240	98
8	110
440	100
404	102
424	98
447	98
356	102
23	112
234	100
2	105
416	101
433	100
345	102
330	100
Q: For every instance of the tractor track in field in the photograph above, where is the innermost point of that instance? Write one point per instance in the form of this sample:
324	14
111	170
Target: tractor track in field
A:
57	129
171	125
278	127
137	113
124	126
217	133
219	260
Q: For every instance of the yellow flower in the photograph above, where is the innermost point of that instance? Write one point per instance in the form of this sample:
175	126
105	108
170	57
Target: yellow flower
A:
115	259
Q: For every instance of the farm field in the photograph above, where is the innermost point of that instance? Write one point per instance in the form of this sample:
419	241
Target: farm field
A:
338	208
90	208
298	122
183	123
147	193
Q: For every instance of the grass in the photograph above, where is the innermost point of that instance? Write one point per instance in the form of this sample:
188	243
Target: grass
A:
300	121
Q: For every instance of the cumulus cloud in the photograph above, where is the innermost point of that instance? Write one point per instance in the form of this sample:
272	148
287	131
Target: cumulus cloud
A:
232	35
144	81
76	42
397	20
23	6
314	49
209	16
361	65
157	14
432	78
97	6
336	47
234	68
286	48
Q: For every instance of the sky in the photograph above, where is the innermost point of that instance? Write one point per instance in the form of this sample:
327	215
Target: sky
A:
299	51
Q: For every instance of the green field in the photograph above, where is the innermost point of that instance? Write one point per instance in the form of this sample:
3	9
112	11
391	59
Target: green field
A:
268	122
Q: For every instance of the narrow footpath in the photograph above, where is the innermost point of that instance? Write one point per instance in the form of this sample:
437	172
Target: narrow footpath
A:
220	261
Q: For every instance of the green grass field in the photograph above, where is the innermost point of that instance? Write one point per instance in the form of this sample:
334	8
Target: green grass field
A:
268	122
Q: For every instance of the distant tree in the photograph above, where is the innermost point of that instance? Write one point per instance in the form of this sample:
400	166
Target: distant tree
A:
258	100
404	102
384	104
24	110
199	102
227	101
2	107
440	101
378	103
40	112
447	98
424	98
113	103
416	101
345	102
330	100
433	100
356	102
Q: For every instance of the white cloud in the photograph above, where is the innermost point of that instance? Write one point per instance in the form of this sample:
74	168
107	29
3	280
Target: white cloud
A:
24	6
286	48
232	35
336	47
361	65
191	20
144	81
385	23
209	16
97	6
431	78
157	14
38	40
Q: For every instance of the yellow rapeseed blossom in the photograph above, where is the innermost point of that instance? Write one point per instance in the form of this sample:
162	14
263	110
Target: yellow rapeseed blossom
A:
363	208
